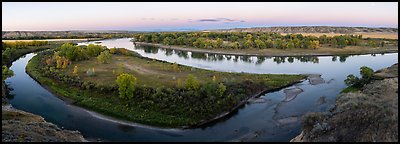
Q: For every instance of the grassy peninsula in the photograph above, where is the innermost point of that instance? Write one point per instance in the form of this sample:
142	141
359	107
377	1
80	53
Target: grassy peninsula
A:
163	94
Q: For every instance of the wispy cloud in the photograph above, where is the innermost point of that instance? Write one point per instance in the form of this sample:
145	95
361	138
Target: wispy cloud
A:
208	20
223	20
148	18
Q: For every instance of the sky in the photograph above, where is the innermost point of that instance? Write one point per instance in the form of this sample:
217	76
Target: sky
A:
177	16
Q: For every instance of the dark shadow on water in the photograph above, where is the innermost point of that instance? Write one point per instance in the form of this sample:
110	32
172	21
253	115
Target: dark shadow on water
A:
170	134
126	128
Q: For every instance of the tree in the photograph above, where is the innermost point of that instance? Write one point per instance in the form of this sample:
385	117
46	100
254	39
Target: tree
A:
94	50
269	43
180	41
340	41
248	44
75	72
113	50
207	43
219	43
235	45
167	41
352	80
279	44
192	83
6	73
200	42
123	51
323	39
259	44
71	52
297	43
290	45
367	74
155	39
221	89
148	38
249	37
314	44
104	57
65	63
59	61
126	85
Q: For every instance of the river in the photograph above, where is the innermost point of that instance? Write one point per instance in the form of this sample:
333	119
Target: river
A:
274	116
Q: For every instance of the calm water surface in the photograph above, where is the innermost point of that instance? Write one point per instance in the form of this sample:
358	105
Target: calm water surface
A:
276	118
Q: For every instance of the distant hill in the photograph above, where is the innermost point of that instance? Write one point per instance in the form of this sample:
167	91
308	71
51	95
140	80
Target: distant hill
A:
370	32
312	29
23	34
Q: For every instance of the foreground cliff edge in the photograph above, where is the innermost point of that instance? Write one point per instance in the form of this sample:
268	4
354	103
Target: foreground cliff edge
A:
21	126
370	114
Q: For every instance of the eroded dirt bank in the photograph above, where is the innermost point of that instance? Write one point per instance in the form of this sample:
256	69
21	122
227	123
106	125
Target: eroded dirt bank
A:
21	126
370	114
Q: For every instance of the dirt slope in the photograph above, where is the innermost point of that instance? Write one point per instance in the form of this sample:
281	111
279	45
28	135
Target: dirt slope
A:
369	115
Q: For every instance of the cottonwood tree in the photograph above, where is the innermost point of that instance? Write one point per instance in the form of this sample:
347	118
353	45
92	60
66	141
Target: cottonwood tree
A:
104	57
126	85
6	73
75	72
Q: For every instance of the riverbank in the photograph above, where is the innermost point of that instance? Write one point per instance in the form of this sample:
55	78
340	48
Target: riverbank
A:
21	126
9	58
185	111
323	51
370	114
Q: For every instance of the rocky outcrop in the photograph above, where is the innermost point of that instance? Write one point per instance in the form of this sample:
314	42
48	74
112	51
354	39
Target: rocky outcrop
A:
313	29
370	114
20	126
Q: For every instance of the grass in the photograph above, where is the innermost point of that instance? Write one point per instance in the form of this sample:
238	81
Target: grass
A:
157	73
153	73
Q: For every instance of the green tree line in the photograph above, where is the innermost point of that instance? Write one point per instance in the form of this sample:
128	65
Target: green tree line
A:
245	40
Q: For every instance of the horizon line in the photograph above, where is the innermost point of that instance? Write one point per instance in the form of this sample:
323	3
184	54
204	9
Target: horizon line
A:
202	29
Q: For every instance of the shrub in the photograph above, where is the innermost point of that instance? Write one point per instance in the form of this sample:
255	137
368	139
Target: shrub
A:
113	50
75	72
126	85
104	57
191	83
367	75
6	73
